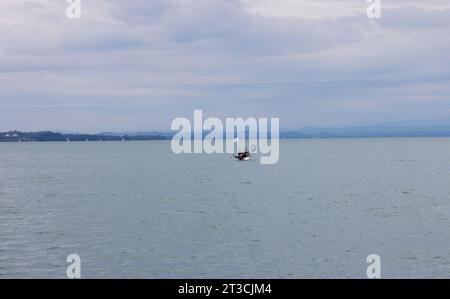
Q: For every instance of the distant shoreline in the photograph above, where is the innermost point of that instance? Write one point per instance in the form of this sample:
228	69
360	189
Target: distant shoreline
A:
48	136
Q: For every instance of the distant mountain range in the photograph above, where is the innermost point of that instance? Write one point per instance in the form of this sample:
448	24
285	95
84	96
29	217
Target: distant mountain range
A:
369	131
310	132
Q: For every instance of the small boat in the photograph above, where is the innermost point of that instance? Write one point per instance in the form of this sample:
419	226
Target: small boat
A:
244	156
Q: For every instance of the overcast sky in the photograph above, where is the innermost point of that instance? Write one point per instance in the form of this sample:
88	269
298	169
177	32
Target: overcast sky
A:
136	65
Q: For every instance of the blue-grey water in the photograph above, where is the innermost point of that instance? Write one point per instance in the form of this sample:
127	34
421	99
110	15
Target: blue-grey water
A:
136	210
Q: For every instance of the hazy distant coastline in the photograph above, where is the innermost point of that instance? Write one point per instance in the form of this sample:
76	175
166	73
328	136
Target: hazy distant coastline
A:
47	136
307	133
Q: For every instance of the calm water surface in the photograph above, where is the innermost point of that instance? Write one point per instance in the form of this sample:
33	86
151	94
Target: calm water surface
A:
135	210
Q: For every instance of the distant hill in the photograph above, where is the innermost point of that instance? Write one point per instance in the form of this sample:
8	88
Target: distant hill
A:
47	136
374	131
352	132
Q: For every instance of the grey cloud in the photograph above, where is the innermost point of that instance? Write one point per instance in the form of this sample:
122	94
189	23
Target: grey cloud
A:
164	58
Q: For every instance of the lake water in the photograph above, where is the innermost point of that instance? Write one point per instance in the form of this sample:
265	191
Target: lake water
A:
136	210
